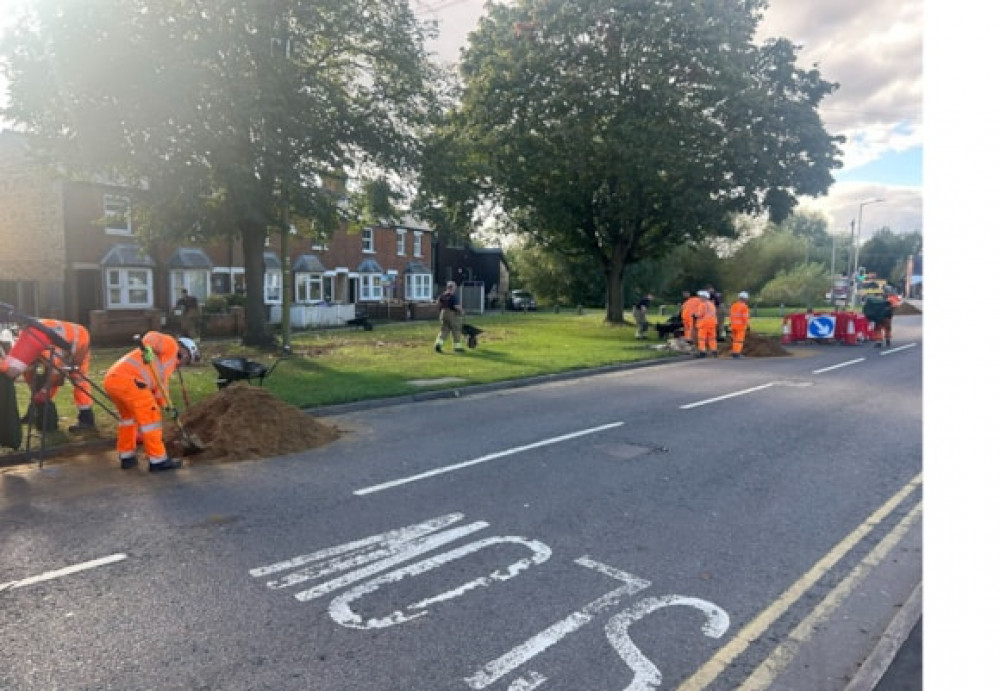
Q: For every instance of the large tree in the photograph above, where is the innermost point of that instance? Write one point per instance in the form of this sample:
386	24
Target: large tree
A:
233	114
619	129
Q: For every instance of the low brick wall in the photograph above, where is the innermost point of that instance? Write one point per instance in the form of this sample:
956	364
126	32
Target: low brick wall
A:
399	311
117	328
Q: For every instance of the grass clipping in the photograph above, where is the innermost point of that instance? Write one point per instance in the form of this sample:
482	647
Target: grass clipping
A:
243	422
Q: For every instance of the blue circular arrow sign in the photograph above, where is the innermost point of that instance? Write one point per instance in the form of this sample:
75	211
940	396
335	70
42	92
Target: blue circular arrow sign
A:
821	326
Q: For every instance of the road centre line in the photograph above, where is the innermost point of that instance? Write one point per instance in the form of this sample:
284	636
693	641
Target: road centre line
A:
59	573
753	631
688	406
897	349
484	459
768	670
842	364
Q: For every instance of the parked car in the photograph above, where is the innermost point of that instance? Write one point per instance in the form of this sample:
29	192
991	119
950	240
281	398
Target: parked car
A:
522	301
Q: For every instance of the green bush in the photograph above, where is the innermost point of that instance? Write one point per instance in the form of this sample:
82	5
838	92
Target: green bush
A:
216	304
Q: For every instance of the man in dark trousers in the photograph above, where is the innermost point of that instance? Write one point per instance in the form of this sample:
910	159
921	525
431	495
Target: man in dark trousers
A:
190	312
639	313
451	318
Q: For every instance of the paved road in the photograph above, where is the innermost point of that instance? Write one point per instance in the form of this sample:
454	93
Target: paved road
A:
697	525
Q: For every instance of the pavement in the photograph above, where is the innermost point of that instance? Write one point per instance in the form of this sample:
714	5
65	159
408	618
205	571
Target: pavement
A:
895	663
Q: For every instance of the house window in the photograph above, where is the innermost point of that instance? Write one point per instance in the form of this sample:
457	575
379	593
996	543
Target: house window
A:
129	288
308	287
229	279
401	242
418	286
117	215
194	281
272	287
367	240
418	244
371	287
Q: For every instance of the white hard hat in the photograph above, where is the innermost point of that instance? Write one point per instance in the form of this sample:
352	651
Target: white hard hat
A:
191	347
703	294
744	295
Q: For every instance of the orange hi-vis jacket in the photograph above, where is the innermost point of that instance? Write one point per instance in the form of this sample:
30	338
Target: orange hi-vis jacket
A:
739	315
139	391
705	313
689	308
34	345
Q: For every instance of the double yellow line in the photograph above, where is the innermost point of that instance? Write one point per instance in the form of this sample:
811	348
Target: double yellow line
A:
767	671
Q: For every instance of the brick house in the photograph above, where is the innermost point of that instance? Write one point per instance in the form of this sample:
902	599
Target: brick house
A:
70	252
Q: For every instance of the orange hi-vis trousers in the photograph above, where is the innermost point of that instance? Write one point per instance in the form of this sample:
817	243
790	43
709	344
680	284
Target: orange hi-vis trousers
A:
707	327
129	388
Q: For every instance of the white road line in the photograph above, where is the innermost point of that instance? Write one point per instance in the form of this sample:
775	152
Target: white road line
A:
898	348
483	459
59	573
688	406
842	364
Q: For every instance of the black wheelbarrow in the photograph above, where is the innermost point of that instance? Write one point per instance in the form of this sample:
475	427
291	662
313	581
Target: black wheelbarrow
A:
232	369
471	334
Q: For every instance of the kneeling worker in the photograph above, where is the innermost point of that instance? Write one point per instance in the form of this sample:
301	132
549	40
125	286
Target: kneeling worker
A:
139	386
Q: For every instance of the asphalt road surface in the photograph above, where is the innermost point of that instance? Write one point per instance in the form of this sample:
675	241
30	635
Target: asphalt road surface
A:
713	524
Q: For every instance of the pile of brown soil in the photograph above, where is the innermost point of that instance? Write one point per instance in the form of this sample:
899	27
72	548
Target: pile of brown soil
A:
906	308
242	422
755	345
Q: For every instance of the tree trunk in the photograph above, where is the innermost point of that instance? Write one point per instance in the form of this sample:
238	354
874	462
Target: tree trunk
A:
257	333
614	273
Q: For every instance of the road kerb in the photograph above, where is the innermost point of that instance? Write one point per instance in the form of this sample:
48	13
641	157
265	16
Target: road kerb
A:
892	640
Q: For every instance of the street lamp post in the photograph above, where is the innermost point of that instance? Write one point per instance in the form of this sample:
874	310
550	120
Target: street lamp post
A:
857	251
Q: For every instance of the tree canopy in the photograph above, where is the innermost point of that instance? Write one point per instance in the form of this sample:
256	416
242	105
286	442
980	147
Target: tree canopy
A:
619	129
232	114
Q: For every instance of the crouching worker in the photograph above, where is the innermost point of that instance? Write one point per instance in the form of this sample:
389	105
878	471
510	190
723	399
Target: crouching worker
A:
138	384
63	350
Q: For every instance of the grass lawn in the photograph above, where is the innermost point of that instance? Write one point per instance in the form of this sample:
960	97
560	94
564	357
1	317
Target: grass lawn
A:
339	366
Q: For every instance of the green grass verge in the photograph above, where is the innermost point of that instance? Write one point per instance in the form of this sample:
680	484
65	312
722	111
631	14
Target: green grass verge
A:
337	366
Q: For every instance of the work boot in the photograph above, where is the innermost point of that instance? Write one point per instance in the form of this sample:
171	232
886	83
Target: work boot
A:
701	355
169	464
437	347
84	421
715	353
129	462
458	348
736	356
888	342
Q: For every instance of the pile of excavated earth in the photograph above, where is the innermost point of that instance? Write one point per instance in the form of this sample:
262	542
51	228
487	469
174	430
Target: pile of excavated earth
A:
243	422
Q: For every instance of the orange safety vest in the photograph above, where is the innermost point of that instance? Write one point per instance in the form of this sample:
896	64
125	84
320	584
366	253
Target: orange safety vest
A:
690	307
131	365
739	314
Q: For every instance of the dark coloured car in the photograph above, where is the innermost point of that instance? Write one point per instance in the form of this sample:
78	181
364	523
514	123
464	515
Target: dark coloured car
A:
522	301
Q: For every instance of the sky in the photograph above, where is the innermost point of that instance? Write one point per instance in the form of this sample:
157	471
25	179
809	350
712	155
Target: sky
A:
874	50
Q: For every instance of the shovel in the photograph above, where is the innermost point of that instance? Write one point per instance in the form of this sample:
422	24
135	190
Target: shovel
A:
192	443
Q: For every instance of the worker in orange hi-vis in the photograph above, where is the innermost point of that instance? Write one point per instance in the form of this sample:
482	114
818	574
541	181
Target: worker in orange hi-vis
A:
689	304
739	319
707	323
138	383
64	349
